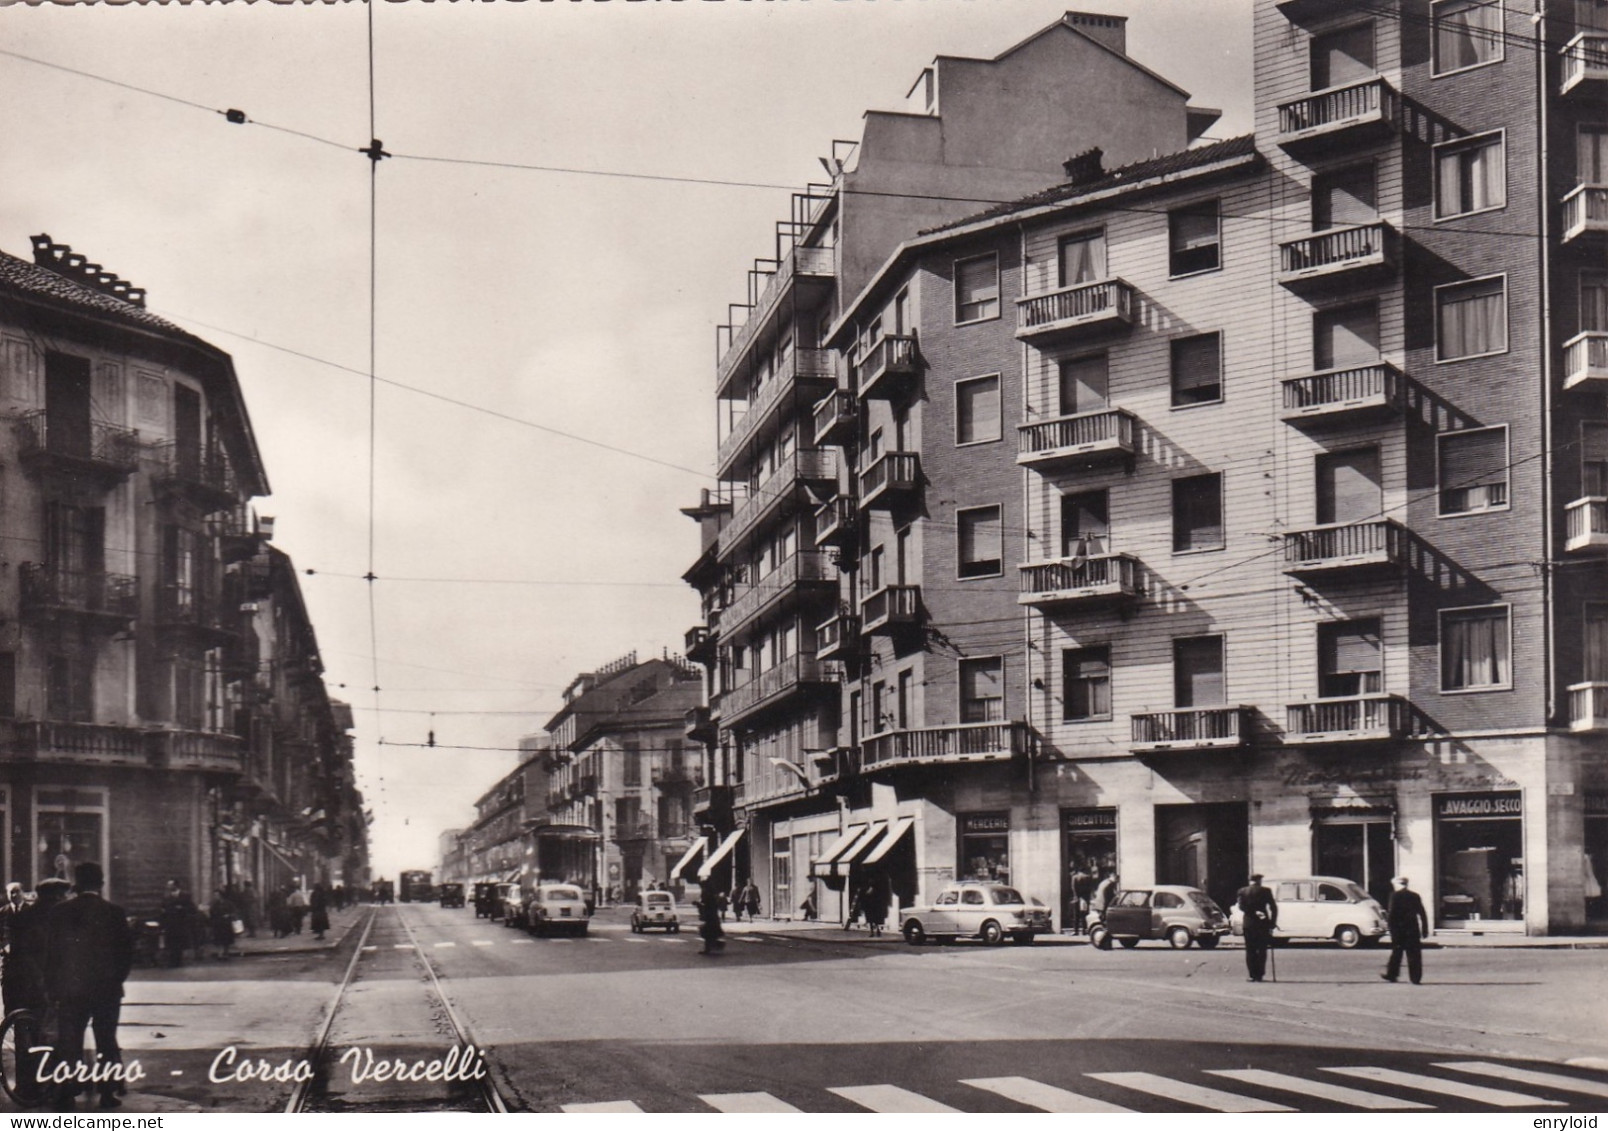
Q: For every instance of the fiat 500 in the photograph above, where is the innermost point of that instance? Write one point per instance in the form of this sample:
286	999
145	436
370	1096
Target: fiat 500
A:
556	907
655	910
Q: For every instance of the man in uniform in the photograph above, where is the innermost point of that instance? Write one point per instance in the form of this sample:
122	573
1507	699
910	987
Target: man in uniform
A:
1409	924
90	951
1261	913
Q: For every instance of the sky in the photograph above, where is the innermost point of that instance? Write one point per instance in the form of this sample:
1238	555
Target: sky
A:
543	338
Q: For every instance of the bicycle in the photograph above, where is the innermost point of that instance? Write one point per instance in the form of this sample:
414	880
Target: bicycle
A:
19	1032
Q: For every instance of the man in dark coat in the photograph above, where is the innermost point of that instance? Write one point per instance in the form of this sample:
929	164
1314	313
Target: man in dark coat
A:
1261	913
89	951
709	927
24	979
1409	924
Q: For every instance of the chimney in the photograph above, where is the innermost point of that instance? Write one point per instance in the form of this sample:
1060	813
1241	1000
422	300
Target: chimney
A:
69	264
1086	168
1112	31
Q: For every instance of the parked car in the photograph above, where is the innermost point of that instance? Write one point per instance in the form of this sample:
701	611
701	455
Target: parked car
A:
451	894
1181	915
556	907
486	905
976	910
1322	907
655	909
509	905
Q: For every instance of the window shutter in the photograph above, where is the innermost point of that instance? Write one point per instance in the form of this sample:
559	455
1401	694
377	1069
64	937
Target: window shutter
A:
1473	459
1352	647
1198	672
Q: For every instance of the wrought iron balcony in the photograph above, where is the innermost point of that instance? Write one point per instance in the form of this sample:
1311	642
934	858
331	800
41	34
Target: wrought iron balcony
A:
1339	257
49	590
241	533
675	775
888	368
1352	718
1334	396
200	475
700	726
84	743
890	608
699	645
1071	311
808	571
802	378
894	478
101	453
838	637
1086	438
837	521
1346	546
1586	521
1585	360
1088	580
189	609
1585	62
198	750
963	742
802	266
770	688
1588	706
835	417
808	465
1192	728
1327	121
1585	210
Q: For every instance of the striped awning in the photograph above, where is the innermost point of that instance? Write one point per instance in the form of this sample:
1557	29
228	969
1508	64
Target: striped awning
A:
850	854
887	842
699	845
822	864
719	854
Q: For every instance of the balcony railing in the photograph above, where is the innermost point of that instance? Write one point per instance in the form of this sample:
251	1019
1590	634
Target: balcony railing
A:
1080	580
186	607
200	474
103	451
773	686
835	416
805	568
1344	394
1380	542
1085	307
699	644
801	263
1338	255
808	465
1588	706
1586	522
48	589
804	372
887	368
1585	359
700	726
199	750
81	742
892	477
1356	113
1354	718
891	607
671	775
836	521
964	742
1192	728
1087	437
1585	209
1585	59
838	637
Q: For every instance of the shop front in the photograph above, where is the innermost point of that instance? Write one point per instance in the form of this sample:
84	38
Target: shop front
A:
1479	856
1088	849
1594	861
983	841
1355	837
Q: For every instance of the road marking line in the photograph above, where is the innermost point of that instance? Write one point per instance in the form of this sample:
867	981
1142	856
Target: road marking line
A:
1527	1076
1597	1062
1496	1097
481	942
439	945
612	1105
889	1100
633	938
522	942
747	1102
1209	1098
369	948
1043	1096
401	946
1317	1089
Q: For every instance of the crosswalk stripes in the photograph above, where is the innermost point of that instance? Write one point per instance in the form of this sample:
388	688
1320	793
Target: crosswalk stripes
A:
747	1103
1529	1076
522	942
1209	1098
886	1099
442	945
1600	1063
480	942
611	1106
1318	1089
1496	1097
1043	1096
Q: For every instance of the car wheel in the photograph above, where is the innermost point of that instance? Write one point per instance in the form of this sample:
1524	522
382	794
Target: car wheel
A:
1100	938
1179	938
675	929
1347	936
1128	944
914	934
1022	938
1207	942
991	933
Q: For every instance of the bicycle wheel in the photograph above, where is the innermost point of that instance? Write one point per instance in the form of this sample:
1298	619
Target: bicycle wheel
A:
18	1031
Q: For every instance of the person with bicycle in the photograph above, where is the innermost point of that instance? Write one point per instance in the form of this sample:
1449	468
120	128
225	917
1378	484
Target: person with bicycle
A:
23	985
90	952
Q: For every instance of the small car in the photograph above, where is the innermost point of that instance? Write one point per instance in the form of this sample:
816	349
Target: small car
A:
486	906
451	895
977	910
1181	915
1322	907
556	907
509	902
655	909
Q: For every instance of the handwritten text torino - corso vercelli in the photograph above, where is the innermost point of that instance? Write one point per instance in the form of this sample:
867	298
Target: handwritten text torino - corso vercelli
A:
230	1067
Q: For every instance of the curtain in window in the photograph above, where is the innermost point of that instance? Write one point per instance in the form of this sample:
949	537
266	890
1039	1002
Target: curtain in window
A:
979	534
1591	15
1470	178
1344	198
982	691
1594	459
1467	33
977	411
1473	320
1083	259
1475	649
1088	683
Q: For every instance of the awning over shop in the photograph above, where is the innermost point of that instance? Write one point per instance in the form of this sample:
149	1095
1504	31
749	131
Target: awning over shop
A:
283	859
511	877
719	854
850	854
822	864
699	845
566	832
886	843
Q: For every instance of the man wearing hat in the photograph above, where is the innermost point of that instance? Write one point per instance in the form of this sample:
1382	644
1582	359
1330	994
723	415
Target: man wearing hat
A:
90	952
1408	926
23	982
1261	913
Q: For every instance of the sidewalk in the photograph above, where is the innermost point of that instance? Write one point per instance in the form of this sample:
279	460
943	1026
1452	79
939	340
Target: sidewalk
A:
340	922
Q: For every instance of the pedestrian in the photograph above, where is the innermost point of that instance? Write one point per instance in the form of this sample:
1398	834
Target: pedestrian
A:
1082	885
1409	926
178	921
710	914
1261	913
319	906
739	902
250	909
808	908
89	951
750	898
296	903
720	904
279	913
874	905
24	983
220	923
1105	894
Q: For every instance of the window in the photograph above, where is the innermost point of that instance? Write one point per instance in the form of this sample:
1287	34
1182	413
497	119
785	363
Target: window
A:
633	764
8	684
901	313
1591	15
1083	259
1470	176
1595	657
75	538
1344	198
1085	384
980	542
1086	684
1594	459
1343	56
1194	239
1085	524
1473	470
1197	370
977	410
1198	672
1346	338
1349	659
982	690
971	895
1167	900
1197	513
977	288
903	702
1594	300
1592	145
1471	319
1475	649
70	689
1349	486
1468	33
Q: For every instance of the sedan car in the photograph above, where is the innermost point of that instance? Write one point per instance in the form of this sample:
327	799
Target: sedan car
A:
556	907
1322	907
655	909
1181	915
977	910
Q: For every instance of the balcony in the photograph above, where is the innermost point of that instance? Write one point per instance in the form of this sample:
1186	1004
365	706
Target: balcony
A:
1302	11
198	750
965	742
1586	523
1588	706
1339	257
1329	121
893	479
200	476
49	591
700	726
1585	61
890	608
808	465
803	267
805	571
772	688
1071	312
888	369
1334	396
836	522
1192	728
184	609
1585	210
1585	360
835	417
671	776
241	534
838	637
1087	438
1090	580
1354	718
699	645
801	379
711	801
1380	543
102	454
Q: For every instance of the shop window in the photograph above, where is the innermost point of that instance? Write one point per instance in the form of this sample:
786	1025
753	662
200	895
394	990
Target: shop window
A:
1197	370
984	849
982	690
977	288
1198	676
1086	689
1470	176
1194	235
1197	513
1480	850
980	542
1343	56
977	410
1476	649
1473	470
70	829
1350	659
1471	319
1467	33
